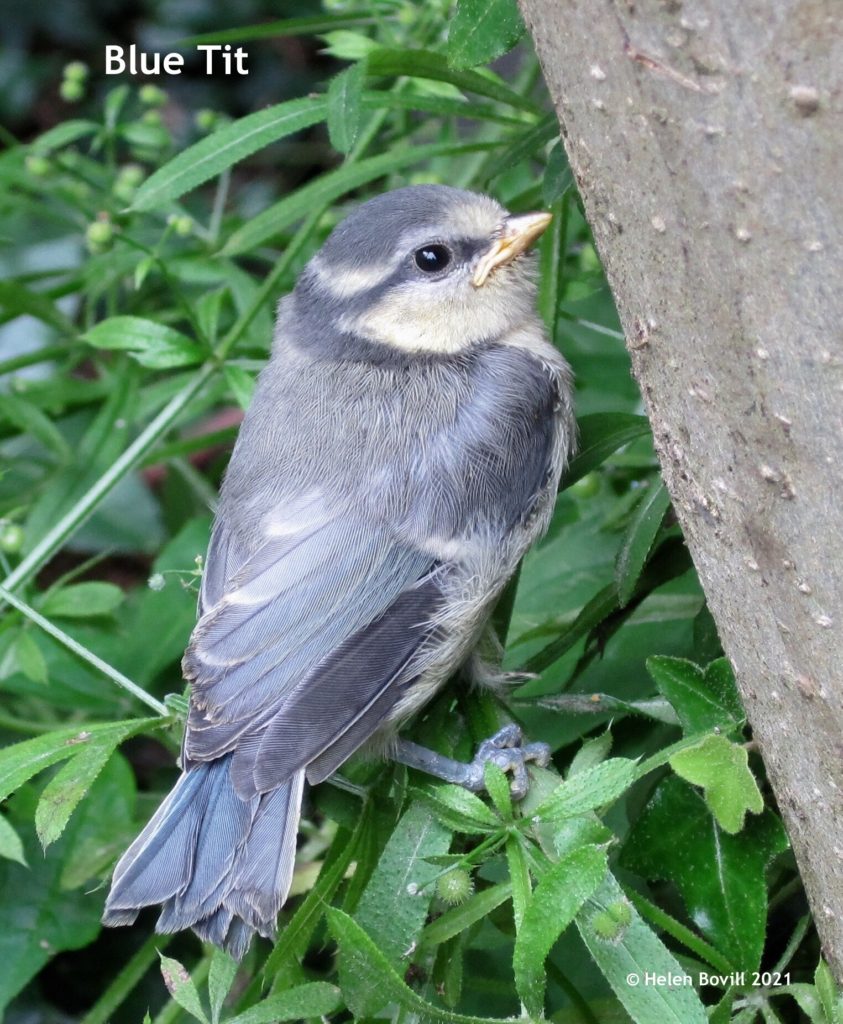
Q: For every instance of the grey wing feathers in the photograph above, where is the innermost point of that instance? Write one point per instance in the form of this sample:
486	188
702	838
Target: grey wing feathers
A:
301	650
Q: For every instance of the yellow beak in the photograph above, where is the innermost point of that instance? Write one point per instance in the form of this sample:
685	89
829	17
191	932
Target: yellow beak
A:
518	235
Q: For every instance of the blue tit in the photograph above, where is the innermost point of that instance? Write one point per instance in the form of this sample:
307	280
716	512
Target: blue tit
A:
402	452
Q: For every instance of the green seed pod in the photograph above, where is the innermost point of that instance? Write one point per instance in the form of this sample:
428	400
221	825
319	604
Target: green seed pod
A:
76	71
611	923
71	91
205	120
38	166
11	538
152	96
99	235
455	887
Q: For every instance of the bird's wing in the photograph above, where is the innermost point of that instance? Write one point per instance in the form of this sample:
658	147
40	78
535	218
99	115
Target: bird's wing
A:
302	645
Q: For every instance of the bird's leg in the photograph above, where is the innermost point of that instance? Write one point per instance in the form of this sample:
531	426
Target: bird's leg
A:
506	749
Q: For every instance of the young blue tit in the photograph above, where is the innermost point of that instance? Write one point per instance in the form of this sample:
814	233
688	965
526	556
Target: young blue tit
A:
402	452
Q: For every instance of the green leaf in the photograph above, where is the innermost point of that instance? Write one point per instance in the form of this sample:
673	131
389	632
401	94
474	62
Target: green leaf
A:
426	64
395	903
593	752
458	919
722	769
11	846
482	31
220	979
556	901
497	786
25	656
703	699
152	344
72	781
63	134
639	539
345	45
600	435
588	790
558	177
345	112
20	761
602	605
226	146
40	917
720	876
827	992
369	982
242	385
328	187
624	948
457	809
29	419
82	600
304	1002
519	877
181	988
307	26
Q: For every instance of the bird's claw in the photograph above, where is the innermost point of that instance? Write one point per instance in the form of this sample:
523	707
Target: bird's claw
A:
507	750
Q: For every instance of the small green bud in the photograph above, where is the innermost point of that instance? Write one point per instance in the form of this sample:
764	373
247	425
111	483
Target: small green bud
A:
455	886
71	91
11	538
131	174
181	224
611	923
99	235
205	120
38	166
152	96
152	117
76	71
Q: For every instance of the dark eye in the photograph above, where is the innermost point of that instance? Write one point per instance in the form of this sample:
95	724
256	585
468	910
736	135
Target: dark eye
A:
433	258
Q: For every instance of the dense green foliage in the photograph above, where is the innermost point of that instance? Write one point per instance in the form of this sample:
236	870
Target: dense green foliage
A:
142	262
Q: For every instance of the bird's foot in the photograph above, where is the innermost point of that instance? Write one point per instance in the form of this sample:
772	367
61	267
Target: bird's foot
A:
506	749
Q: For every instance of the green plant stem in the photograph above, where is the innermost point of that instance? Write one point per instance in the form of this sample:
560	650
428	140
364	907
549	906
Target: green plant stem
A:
171	1011
42	355
82	652
70	522
26	725
129	976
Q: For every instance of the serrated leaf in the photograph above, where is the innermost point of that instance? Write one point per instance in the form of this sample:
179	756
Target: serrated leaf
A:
82	600
21	761
396	900
151	344
600	435
497	786
328	187
458	919
483	30
555	902
220	979
588	790
722	769
635	951
593	752
303	1002
639	539
704	699
63	792
369	982
181	987
225	147
11	846
458	809
519	878
29	419
720	876
345	112
827	992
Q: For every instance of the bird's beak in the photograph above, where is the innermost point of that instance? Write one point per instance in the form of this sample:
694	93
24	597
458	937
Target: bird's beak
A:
518	235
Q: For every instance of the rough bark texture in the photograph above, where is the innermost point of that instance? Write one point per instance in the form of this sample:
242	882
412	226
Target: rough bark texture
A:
705	136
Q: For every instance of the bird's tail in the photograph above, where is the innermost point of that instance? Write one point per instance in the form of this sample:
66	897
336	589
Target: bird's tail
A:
219	864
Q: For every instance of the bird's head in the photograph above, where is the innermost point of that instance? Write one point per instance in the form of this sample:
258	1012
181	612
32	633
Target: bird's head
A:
428	268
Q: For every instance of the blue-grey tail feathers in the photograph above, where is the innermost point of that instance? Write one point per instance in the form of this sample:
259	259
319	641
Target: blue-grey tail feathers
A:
219	864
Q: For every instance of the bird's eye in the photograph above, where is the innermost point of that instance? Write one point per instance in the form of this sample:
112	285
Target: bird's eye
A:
433	258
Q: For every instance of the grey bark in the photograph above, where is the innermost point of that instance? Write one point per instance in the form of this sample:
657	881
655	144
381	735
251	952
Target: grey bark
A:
705	137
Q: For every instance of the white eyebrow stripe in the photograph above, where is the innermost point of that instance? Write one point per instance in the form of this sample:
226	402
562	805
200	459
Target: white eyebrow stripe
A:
345	281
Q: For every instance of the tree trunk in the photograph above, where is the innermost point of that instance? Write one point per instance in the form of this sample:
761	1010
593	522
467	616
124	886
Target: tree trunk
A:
705	137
